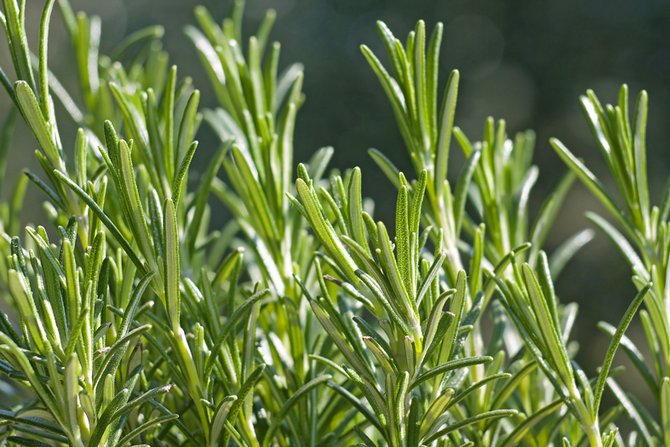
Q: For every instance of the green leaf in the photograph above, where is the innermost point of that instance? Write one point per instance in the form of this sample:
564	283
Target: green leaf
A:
586	176
428	279
131	197
130	311
42	424
51	194
630	409
434	411
450	366
127	248
233	320
512	384
392	92
520	218
416	209
537	417
432	76
219	419
465	393
135	39
42	129
665	409
23	364
356	209
457	307
548	213
289	404
318	163
76	329
383	357
250	185
23	297
640	151
171	267
177	186
151	424
42	68
356	403
27	442
402	241
462	187
112	356
614	345
202	195
387	167
487	415
567	250
548	330
120	406
14	24
621	243
324	230
634	355
169	151
244	391
446	126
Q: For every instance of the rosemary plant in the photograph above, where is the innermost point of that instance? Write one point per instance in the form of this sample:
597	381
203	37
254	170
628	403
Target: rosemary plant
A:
131	319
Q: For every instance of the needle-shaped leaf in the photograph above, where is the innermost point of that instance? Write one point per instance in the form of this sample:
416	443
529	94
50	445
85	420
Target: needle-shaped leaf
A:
462	187
621	243
219	419
640	151
445	130
450	366
324	230
30	109
488	415
457	308
636	417
202	195
521	430
147	426
548	331
131	197
665	408
14	26
356	209
567	250
614	345
118	236
171	268
428	279
586	176
635	356
402	242
292	401
393	93
512	384
387	167
177	186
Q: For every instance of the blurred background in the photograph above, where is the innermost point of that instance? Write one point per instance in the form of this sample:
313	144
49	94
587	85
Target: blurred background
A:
521	60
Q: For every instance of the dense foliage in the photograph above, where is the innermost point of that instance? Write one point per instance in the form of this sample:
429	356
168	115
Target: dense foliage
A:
132	320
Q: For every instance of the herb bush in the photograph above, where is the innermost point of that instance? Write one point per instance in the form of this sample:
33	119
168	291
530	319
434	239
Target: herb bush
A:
132	320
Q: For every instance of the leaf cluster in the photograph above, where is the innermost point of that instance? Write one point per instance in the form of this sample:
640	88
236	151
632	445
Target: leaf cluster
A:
133	319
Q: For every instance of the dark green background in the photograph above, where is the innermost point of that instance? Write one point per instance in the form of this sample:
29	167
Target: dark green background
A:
524	61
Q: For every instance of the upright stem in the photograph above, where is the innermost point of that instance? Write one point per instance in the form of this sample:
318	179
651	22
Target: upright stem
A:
589	422
593	433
